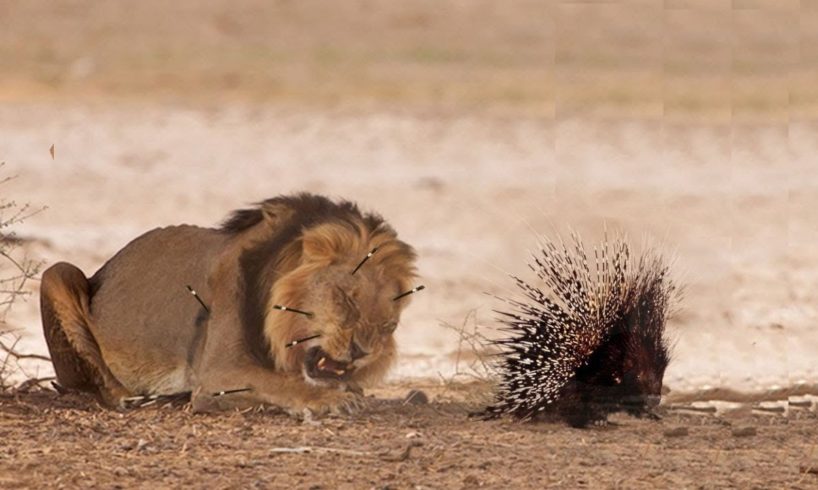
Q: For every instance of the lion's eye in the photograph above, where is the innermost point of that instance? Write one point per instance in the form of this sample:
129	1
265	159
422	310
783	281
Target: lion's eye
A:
350	311
351	316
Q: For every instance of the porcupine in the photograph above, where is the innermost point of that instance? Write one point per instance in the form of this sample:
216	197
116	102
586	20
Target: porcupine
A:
592	341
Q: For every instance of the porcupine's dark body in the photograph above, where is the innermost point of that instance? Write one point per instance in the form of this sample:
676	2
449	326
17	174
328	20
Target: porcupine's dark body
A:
590	343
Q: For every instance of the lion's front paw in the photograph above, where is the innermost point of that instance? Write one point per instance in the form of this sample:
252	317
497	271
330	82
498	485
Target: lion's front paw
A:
330	401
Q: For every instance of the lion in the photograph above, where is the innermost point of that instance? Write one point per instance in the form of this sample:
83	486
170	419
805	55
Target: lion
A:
295	304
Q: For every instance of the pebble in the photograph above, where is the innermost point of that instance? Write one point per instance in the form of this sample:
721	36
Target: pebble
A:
677	432
745	432
471	481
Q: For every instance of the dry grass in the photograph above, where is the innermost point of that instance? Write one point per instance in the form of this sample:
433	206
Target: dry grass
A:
474	373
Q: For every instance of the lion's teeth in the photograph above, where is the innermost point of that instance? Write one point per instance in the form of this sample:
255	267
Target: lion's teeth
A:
339	372
321	362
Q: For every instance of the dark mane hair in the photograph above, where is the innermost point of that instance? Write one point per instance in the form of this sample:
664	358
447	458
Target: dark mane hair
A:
310	209
258	263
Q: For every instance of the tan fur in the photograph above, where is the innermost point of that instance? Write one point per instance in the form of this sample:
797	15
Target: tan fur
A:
74	351
339	245
303	248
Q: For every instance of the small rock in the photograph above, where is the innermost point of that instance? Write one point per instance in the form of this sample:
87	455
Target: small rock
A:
745	432
400	455
677	432
309	419
471	481
416	397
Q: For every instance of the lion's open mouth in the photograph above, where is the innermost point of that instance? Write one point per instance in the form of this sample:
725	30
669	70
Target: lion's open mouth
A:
320	365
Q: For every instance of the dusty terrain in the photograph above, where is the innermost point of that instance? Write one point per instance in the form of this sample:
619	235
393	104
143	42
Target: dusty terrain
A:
71	442
471	126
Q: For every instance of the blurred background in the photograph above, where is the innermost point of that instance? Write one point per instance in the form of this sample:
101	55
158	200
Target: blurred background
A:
471	125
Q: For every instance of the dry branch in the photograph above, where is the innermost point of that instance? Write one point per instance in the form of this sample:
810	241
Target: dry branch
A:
16	270
473	342
10	352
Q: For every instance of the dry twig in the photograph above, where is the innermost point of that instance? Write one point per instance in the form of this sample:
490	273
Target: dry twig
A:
13	284
472	341
316	449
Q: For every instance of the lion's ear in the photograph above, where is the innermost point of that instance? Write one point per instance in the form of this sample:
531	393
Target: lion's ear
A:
275	214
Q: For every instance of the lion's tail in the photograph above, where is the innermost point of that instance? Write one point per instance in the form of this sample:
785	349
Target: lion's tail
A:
65	311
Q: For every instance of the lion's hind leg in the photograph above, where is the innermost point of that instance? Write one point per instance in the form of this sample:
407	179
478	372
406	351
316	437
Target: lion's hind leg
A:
64	307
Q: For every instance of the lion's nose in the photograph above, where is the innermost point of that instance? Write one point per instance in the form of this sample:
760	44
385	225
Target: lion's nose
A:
355	351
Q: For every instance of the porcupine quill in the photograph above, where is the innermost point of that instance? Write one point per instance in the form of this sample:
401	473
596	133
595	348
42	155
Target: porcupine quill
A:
298	341
308	314
198	298
587	343
407	293
368	256
230	392
142	401
287	308
300	312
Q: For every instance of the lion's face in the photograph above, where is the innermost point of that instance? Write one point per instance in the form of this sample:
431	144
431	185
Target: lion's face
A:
352	316
355	316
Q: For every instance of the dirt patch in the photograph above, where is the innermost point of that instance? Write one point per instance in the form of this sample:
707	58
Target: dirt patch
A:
69	441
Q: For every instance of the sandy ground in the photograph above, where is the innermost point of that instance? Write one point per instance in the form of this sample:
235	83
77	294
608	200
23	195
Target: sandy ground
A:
71	442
